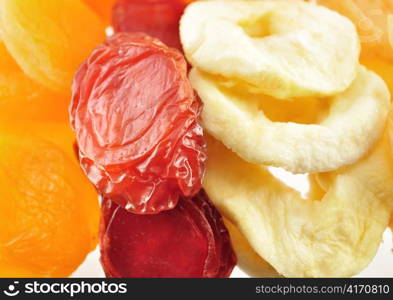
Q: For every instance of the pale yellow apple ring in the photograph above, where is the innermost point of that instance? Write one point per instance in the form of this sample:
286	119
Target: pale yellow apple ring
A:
335	236
247	259
352	125
279	48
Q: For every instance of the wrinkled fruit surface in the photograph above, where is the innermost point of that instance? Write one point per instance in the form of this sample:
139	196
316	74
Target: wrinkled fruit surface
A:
188	241
158	18
48	210
136	119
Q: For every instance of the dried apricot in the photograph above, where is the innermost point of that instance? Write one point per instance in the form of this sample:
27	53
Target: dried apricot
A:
22	99
372	22
102	7
7	63
158	18
49	39
188	241
48	211
136	119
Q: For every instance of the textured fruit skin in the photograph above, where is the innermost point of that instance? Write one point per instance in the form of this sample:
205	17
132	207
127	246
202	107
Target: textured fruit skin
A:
188	241
136	119
158	18
49	212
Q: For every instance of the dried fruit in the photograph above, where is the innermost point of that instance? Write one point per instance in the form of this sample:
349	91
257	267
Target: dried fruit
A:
354	121
188	241
337	235
391	223
102	7
372	22
382	68
7	63
46	40
22	99
136	119
284	49
48	210
247	259
390	29
158	18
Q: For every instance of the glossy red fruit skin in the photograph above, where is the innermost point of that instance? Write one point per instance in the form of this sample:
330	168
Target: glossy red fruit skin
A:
136	119
158	18
188	241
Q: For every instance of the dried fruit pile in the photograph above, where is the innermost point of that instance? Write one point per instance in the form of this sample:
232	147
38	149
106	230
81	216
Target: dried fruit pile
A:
139	141
278	53
136	119
49	210
169	142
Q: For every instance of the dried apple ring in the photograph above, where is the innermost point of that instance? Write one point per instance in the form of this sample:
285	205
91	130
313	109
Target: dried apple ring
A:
335	236
382	68
280	48
353	123
247	259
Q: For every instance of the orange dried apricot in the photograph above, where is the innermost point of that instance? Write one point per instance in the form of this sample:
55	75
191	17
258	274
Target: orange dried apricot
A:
24	99
102	7
7	63
372	21
49	39
48	210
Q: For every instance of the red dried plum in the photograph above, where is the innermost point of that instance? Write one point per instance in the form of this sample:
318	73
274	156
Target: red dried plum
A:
188	241
158	18
224	252
136	119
